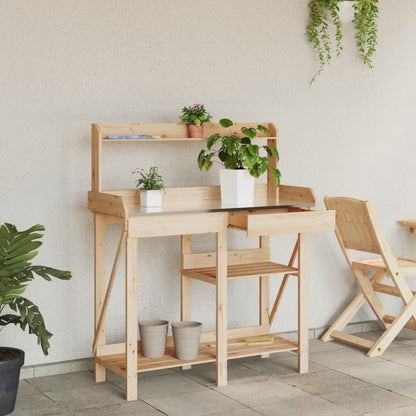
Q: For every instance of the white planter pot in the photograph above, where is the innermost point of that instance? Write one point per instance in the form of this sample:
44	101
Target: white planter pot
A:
346	11
237	187
150	198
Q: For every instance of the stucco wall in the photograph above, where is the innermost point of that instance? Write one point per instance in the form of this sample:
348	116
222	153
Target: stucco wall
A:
67	64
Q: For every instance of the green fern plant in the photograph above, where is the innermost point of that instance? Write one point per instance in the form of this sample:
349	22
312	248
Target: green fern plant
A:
17	248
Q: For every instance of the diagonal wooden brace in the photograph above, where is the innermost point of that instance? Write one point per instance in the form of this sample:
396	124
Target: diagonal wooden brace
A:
109	289
396	326
284	282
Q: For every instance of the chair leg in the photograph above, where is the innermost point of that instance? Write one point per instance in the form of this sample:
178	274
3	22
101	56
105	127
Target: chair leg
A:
370	295
345	317
351	310
397	325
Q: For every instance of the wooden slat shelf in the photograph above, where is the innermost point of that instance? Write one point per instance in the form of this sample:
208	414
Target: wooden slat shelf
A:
117	362
237	271
162	139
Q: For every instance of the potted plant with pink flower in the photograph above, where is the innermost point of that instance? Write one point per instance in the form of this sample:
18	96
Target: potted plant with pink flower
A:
195	116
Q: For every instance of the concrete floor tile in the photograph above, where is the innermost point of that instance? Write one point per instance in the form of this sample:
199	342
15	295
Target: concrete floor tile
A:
166	385
405	355
62	381
407	335
102	394
401	411
405	388
380	373
125	409
37	405
261	392
318	345
347	357
368	399
25	388
277	366
239	412
121	382
206	373
323	382
304	406
199	403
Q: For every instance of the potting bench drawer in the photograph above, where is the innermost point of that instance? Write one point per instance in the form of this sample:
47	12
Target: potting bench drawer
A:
281	221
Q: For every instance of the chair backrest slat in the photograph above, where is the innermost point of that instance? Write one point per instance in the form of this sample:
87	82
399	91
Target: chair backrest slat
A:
354	224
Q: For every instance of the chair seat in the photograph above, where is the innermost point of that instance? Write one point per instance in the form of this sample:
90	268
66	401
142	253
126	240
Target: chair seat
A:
407	266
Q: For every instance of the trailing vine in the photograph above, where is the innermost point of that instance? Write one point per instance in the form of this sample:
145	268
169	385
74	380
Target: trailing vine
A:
326	12
318	31
365	16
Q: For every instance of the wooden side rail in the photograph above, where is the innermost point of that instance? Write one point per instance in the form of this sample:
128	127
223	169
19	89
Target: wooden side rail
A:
104	203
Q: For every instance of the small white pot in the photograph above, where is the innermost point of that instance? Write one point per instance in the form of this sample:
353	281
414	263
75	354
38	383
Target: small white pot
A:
346	11
150	198
237	187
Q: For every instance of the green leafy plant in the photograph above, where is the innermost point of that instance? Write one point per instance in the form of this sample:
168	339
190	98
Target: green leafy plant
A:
149	181
195	114
318	30
239	152
365	17
324	12
17	248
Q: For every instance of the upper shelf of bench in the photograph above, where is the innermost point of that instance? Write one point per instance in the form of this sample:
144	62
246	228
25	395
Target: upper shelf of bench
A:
170	131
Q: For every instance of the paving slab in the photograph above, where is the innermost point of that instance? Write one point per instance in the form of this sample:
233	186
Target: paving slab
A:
368	399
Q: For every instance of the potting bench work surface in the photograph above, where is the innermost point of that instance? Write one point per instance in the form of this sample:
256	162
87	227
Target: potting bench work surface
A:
198	210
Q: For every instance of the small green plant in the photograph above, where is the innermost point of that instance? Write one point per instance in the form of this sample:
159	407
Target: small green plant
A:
149	181
195	114
239	152
17	248
324	12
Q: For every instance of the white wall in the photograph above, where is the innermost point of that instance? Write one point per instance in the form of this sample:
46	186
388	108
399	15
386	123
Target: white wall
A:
67	64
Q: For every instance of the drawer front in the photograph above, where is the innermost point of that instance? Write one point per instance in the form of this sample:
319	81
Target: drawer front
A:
263	223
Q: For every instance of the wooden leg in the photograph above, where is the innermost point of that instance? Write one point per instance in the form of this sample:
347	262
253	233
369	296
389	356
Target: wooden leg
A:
369	293
345	317
186	248
99	286
396	326
303	326
186	286
101	319
264	291
131	319
221	295
350	311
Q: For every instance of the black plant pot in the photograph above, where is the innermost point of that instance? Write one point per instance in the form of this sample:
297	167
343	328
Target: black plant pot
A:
11	360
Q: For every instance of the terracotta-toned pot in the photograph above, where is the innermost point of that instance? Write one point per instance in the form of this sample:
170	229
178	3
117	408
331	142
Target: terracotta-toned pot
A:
195	131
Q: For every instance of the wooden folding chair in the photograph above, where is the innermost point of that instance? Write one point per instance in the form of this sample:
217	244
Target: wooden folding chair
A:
358	230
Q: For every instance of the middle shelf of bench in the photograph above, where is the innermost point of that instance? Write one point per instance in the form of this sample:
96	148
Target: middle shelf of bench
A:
237	271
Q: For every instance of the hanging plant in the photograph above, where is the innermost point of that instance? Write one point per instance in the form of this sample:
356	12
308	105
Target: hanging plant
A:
326	12
320	11
365	16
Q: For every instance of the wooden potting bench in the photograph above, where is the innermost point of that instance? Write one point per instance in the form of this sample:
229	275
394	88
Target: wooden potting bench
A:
198	210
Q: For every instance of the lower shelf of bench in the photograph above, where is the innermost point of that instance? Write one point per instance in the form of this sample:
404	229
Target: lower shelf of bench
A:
117	362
